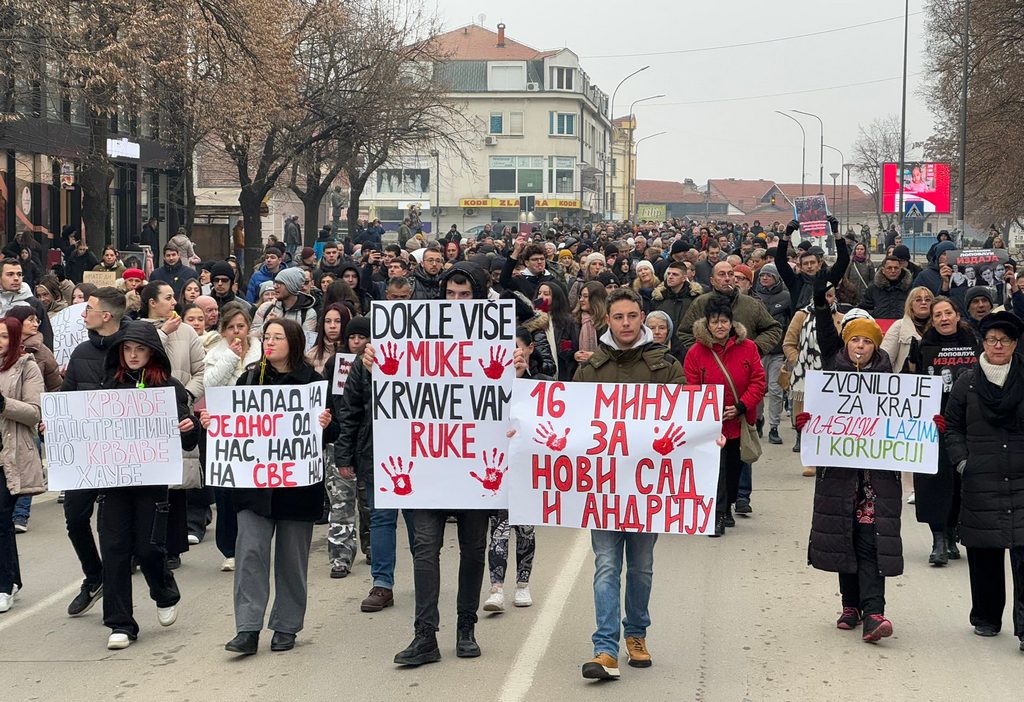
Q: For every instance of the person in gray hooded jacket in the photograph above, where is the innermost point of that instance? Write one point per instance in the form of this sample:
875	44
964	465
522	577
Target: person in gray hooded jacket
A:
772	293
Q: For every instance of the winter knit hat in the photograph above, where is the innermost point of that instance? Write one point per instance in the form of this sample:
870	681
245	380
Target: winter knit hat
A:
596	256
645	264
264	287
133	273
292	279
745	271
222	269
770	269
978	291
358	325
867	328
679	246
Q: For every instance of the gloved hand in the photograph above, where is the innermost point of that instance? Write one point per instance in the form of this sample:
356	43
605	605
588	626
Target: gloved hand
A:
940	423
801	420
834	223
820	288
792	227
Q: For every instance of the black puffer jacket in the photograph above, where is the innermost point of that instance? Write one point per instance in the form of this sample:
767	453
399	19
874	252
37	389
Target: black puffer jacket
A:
992	507
301	504
836	490
354	445
676	305
777	300
87	367
887	300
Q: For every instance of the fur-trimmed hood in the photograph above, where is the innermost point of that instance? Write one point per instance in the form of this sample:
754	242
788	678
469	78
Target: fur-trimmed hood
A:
692	289
703	335
906	277
538	322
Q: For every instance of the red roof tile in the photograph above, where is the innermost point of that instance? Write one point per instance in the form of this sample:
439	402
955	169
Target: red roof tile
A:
670	191
475	43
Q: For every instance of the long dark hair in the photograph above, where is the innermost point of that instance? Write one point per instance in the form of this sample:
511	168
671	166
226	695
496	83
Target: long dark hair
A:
14	346
148	294
320	346
558	310
296	339
341	292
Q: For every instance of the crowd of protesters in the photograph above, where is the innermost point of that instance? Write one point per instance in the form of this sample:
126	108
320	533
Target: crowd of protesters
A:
749	308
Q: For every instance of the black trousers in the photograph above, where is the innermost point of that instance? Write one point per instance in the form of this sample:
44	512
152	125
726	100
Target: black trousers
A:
198	514
864	589
227	522
133	522
10	570
428	537
78	507
988	589
728	475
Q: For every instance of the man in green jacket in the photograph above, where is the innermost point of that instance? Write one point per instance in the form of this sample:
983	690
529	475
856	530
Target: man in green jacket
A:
626	353
762	328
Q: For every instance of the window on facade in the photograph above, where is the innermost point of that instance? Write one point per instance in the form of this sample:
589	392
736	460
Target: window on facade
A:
562	175
561	78
515	123
403	180
502	174
614	165
562	123
531	180
496	124
517	174
508	78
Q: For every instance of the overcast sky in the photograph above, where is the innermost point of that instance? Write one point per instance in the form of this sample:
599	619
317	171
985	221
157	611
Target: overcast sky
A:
716	135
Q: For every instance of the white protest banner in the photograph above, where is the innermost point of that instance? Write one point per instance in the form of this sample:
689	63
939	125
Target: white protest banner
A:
441	391
342	367
880	421
265	436
101	279
112	438
68	332
621	457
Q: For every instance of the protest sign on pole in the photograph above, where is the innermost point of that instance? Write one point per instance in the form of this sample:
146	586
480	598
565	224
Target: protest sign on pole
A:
265	436
112	438
342	367
68	332
812	214
879	421
441	391
621	457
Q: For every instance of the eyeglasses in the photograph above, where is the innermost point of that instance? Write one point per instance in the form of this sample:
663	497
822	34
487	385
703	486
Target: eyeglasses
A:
89	309
998	343
221	279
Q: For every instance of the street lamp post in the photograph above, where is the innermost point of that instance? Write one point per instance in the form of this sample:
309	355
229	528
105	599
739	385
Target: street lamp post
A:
437	191
834	175
962	174
848	167
903	111
629	153
821	159
611	119
638	142
803	150
842	160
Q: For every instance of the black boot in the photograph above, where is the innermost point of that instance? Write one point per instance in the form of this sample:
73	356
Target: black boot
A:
951	550
465	642
773	436
423	649
939	555
245	643
719	526
796	446
760	427
728	520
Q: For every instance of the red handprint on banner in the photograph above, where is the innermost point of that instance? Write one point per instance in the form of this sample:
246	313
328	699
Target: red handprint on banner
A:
672	439
399	474
494	471
391	356
547	436
496	368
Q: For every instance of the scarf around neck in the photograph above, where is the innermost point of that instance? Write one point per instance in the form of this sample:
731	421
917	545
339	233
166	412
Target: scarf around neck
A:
1000	391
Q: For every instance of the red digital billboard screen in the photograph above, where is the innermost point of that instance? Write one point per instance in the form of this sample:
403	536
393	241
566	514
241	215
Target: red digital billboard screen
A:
925	187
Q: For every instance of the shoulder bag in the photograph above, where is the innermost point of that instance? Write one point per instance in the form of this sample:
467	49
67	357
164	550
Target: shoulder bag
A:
750	445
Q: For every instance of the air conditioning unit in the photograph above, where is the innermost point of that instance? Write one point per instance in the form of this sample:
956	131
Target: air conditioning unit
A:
533	87
470	211
491	141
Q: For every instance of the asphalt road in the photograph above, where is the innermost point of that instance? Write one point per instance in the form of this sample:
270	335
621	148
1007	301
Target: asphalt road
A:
737	618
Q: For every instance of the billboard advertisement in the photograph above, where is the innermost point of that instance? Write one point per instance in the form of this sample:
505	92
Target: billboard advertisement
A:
925	188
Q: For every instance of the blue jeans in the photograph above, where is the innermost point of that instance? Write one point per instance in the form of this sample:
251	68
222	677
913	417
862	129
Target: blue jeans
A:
22	509
608	551
383	541
746	482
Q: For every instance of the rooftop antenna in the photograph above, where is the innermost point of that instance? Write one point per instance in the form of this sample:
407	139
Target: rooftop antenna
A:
483	18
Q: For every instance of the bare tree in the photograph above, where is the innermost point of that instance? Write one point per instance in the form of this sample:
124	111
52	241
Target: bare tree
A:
877	143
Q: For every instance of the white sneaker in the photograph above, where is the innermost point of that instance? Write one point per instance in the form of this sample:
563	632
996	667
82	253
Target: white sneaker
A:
115	642
228	565
522	598
6	601
20	528
193	540
496	602
912	499
167	615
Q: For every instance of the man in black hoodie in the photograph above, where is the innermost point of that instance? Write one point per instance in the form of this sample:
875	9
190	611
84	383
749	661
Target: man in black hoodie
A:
427	275
801	285
463	281
222	278
104	316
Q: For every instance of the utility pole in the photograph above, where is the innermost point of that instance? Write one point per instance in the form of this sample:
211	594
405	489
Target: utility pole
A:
962	174
903	113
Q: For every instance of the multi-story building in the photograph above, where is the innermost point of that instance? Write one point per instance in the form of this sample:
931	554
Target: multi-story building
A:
622	169
539	128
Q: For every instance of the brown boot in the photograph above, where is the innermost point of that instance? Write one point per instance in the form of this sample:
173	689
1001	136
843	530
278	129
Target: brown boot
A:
378	599
639	656
810	472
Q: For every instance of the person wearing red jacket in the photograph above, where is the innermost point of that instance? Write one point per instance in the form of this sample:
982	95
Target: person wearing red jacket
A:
720	339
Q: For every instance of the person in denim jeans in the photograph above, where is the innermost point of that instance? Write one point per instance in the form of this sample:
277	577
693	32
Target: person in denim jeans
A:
626	353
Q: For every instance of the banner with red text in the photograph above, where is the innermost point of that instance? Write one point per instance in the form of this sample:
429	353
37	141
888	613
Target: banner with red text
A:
621	457
441	391
265	436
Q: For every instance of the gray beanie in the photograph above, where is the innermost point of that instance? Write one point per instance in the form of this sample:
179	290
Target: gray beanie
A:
770	269
265	286
292	279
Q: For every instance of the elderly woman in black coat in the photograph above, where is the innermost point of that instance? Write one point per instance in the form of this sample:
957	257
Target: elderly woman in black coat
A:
855	528
985	441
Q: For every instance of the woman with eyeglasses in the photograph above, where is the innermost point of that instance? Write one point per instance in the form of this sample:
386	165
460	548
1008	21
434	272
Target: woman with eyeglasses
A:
984	433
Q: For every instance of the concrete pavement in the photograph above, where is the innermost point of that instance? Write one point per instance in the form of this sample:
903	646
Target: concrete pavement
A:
737	618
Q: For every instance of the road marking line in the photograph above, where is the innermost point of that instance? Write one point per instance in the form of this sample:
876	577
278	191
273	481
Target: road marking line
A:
520	678
17	614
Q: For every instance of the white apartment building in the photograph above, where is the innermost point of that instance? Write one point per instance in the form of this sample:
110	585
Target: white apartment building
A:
541	129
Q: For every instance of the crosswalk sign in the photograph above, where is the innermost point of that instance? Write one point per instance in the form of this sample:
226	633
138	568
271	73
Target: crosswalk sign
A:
913	210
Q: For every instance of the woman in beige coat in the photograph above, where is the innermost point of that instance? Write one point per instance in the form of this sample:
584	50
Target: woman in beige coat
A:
21	384
917	313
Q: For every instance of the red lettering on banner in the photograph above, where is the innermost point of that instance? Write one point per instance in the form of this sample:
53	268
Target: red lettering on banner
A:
642	465
709	400
603	443
579	474
631	519
244	426
654	505
443	440
552	506
438	359
277	475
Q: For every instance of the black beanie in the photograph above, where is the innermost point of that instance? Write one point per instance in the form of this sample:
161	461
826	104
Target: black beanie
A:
358	325
222	269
